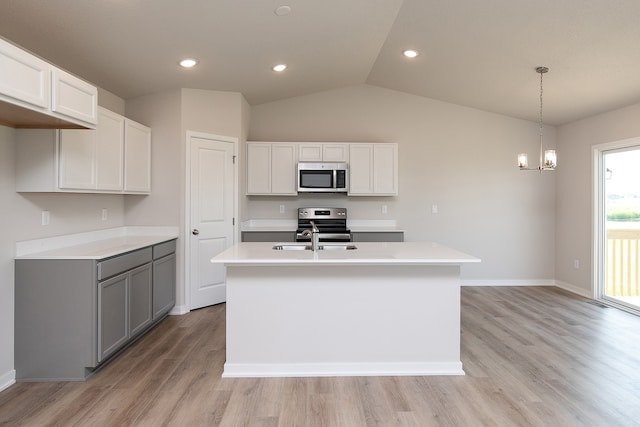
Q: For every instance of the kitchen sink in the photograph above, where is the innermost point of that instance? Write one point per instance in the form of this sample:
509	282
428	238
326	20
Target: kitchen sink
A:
303	247
291	247
339	246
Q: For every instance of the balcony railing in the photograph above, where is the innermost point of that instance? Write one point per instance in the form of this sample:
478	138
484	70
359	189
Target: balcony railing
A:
623	261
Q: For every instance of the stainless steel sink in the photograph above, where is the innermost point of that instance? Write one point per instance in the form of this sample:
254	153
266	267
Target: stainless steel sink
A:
291	247
338	247
303	247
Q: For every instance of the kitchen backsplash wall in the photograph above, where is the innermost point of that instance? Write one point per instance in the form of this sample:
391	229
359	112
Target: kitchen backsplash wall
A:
457	159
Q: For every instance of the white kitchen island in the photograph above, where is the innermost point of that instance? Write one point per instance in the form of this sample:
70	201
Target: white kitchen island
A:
381	309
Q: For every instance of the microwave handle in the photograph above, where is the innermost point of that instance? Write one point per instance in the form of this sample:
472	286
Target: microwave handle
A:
335	178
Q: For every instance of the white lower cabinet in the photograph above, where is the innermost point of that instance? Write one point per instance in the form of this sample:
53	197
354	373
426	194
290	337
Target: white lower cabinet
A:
113	158
271	169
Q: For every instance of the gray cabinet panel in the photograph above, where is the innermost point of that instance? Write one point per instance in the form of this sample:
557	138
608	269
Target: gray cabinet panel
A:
268	236
378	236
113	329
118	264
164	285
55	319
163	249
140	293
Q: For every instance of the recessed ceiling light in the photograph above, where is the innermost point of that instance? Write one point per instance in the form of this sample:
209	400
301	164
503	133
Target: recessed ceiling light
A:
280	67
410	53
282	10
188	62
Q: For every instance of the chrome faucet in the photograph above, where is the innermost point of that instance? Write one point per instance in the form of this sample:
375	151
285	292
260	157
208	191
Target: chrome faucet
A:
314	233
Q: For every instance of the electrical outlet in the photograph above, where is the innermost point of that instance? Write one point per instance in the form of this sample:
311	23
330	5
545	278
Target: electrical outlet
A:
104	214
281	208
434	209
45	217
576	264
384	209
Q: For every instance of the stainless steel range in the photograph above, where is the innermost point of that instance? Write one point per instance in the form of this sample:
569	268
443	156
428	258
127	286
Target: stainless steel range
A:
331	222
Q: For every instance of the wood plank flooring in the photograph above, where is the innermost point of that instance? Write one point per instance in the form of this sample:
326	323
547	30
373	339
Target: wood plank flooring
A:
534	356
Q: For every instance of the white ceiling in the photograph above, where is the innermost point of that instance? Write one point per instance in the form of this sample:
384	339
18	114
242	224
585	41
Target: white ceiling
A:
480	54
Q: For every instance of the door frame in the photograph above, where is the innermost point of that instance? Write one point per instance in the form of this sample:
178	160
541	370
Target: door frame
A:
187	203
599	238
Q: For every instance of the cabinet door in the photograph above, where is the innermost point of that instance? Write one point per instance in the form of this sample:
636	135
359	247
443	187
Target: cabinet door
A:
310	152
109	151
76	153
164	285
137	158
113	328
335	152
385	169
258	169
140	294
283	169
74	98
360	169
24	77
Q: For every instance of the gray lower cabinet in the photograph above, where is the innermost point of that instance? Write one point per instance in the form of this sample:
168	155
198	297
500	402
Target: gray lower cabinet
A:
268	236
377	236
164	285
71	315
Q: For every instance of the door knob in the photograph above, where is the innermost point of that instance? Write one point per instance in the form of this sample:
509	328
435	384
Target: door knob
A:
195	232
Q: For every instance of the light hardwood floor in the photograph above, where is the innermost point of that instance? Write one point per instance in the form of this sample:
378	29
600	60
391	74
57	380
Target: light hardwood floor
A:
534	356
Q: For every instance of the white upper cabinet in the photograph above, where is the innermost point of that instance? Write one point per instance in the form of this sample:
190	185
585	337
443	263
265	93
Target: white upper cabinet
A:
271	169
109	151
323	152
24	79
34	93
137	158
373	169
73	98
113	158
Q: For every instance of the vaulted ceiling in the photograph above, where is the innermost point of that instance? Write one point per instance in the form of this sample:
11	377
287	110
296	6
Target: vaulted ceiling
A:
480	54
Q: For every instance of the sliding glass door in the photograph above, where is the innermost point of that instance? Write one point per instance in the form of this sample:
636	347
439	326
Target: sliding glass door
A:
619	216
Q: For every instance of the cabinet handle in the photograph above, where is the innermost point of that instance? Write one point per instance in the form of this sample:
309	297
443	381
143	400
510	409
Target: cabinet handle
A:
195	232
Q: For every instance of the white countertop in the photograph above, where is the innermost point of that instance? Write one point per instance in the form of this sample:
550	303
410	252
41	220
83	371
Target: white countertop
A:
388	253
98	244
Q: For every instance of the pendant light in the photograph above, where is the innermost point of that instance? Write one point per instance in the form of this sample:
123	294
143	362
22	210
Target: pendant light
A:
547	157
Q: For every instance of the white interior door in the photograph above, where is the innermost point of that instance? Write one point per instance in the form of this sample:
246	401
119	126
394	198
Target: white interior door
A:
212	211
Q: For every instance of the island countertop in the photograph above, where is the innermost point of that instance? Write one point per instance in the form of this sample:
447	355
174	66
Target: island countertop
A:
378	253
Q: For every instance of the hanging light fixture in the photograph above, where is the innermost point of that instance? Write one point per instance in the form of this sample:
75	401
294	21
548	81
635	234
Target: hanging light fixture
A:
547	157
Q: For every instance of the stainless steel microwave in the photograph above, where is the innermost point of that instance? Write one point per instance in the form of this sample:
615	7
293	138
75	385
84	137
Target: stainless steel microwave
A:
323	177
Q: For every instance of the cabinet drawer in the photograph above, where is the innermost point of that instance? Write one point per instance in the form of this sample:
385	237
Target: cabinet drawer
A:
164	249
119	264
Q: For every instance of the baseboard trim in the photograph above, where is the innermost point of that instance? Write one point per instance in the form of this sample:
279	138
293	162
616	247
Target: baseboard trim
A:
271	370
7	379
541	282
179	310
574	289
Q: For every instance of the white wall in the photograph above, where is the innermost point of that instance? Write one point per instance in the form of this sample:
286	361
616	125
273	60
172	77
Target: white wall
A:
462	159
574	219
20	216
170	115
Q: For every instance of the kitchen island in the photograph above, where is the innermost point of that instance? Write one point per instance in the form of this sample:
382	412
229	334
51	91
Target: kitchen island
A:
380	309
